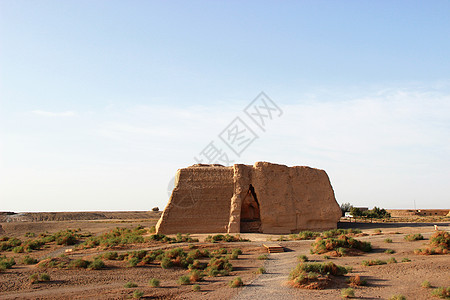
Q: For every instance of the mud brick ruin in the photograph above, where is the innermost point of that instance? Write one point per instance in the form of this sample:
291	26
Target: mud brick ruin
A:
265	197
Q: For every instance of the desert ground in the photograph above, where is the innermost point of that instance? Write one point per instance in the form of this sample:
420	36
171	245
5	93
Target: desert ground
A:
405	276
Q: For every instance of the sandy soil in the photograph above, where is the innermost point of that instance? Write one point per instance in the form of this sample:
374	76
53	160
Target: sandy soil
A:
383	281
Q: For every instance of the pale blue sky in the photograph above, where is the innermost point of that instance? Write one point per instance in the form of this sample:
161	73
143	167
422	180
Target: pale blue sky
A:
102	101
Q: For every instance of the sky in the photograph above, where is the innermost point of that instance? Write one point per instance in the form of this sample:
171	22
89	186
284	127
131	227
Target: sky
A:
102	101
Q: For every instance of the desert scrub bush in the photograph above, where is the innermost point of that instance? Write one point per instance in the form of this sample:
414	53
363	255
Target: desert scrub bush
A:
236	282
235	253
219	266
373	262
391	261
27	260
314	275
322	245
137	294
441	292
116	237
326	257
110	255
196	275
152	229
263	257
44	277
405	259
303	258
6	263
36	278
184	280
130	285
426	284
357	281
397	297
7	243
439	244
440	239
196	288
348	293
389	251
18	249
413	237
307	235
154	282
388	240
78	264
133	261
96	264
261	270
338	232
30	234
225	238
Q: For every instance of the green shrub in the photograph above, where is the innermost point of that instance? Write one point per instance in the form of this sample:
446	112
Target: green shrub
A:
44	277
30	234
196	275
225	238
166	263
154	282
263	257
6	263
338	232
196	288
441	292
183	280
397	297
97	264
138	294
389	251
373	262
218	266
130	284
303	258
348	293
426	284
321	245
413	237
132	262
440	239
237	282
78	263
27	260
110	255
405	259
18	249
388	240
261	270
326	257
391	261
34	278
356	281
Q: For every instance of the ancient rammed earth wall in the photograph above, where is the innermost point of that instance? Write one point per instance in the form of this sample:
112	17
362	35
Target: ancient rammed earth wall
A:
210	199
200	201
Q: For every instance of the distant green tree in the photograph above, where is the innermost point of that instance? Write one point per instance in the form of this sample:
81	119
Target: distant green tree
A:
356	212
346	207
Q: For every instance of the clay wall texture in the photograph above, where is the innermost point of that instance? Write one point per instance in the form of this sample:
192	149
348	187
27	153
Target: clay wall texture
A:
265	197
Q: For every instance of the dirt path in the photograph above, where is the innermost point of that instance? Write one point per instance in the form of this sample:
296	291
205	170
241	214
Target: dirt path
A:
271	285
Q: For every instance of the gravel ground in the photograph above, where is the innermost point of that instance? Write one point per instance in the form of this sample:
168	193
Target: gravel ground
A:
271	285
